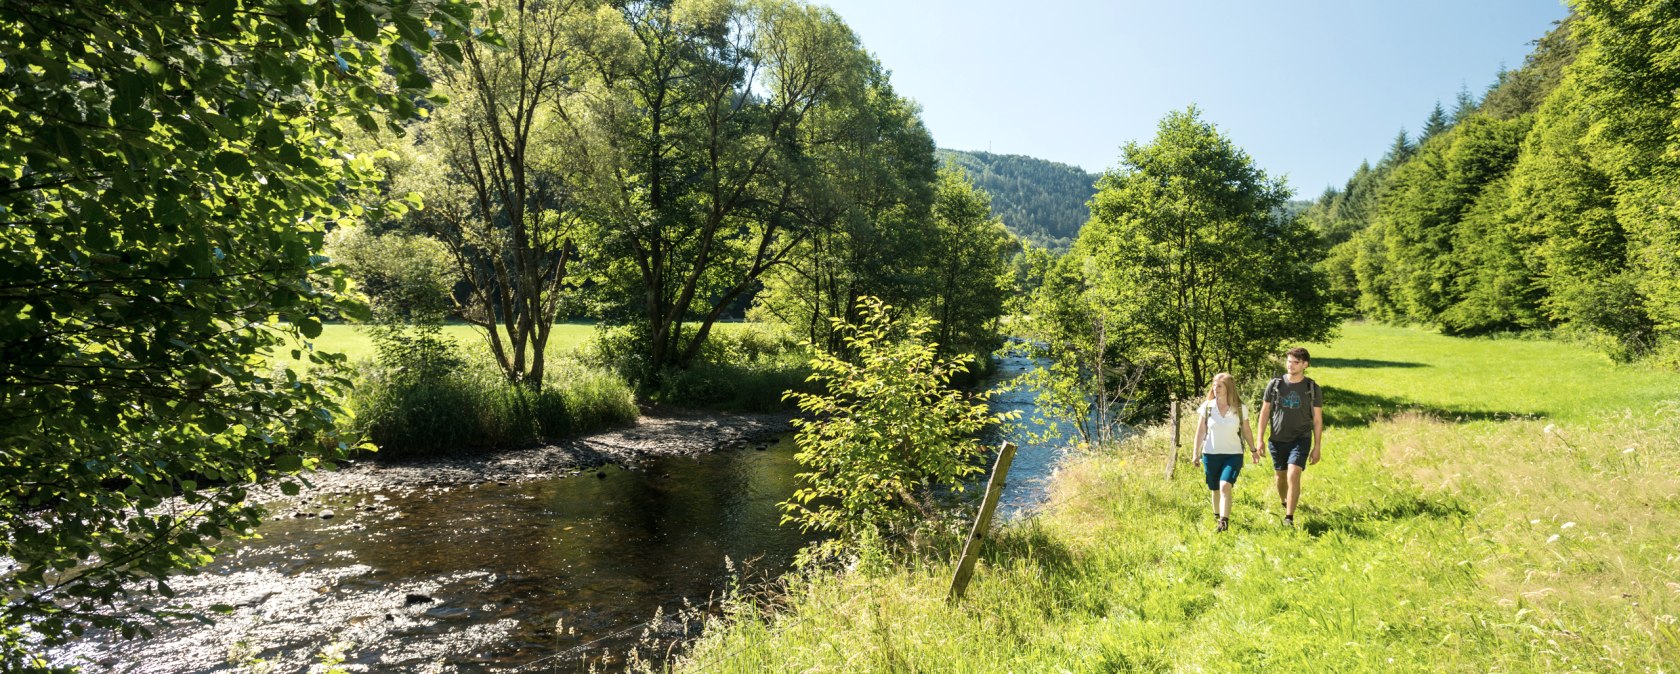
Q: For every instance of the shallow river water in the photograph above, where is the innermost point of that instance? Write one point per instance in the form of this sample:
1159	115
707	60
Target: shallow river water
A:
527	576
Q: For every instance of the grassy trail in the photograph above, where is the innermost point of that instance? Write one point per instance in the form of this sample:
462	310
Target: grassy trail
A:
1482	506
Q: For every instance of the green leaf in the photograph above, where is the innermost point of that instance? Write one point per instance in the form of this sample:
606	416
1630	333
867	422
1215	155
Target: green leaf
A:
327	19
288	463
289	488
310	327
219	12
412	30
449	51
403	59
361	23
233	164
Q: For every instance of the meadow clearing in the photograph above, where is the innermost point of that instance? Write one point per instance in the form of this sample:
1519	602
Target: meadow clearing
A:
1483	505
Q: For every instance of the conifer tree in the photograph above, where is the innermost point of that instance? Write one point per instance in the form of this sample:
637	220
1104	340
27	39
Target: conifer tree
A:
1436	123
1464	106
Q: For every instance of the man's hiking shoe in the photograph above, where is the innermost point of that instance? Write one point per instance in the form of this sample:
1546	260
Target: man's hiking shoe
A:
1289	520
1224	523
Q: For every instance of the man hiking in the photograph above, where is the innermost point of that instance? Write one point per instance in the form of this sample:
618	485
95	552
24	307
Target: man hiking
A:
1291	412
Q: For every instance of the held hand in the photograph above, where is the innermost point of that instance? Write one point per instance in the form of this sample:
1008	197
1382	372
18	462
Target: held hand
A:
1197	462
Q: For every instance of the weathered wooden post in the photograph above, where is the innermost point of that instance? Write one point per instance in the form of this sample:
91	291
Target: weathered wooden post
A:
1172	457
971	550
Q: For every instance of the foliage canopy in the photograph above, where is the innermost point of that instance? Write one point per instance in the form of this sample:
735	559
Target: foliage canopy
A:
167	175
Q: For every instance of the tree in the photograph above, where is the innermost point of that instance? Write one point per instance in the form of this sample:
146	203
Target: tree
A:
969	258
406	278
711	116
1628	75
1399	151
1433	125
886	430
499	175
1188	257
168	172
882	169
1043	202
1463	106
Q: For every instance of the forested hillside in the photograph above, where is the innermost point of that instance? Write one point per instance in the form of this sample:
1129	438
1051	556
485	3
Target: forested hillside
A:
1040	201
1547	204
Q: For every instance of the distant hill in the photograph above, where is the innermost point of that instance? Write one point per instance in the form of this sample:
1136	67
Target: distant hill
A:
1040	201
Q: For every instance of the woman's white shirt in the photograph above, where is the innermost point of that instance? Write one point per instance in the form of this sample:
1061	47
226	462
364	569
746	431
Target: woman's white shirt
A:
1222	436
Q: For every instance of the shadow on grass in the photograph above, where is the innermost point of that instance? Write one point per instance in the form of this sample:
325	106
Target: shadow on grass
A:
1364	363
1359	521
1034	543
1347	409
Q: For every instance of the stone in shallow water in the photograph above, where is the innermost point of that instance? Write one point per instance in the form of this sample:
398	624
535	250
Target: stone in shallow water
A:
448	613
415	598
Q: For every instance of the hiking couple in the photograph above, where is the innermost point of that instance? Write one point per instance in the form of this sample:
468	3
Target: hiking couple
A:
1292	407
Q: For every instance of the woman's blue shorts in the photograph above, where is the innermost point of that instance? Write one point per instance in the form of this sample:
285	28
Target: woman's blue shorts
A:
1221	468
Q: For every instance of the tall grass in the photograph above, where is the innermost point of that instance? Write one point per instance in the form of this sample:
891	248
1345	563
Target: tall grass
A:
412	404
1482	506
741	367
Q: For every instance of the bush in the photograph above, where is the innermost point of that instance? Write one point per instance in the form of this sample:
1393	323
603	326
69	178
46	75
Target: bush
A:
887	431
749	368
420	397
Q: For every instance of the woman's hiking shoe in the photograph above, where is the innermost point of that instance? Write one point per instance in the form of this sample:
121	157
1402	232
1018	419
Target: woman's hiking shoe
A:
1224	523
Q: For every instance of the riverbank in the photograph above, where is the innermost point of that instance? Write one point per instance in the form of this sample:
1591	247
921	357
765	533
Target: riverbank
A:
483	562
1483	505
661	432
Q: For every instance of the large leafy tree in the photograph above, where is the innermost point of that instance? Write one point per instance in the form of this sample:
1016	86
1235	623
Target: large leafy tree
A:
881	167
1629	78
969	270
167	174
710	120
1190	262
499	174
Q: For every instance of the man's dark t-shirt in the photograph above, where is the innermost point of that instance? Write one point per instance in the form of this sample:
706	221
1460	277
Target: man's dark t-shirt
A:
1292	407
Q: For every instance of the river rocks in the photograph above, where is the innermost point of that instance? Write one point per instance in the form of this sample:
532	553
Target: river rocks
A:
665	432
326	514
415	599
448	613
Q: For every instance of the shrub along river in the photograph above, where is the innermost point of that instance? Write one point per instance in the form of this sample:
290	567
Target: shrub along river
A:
502	575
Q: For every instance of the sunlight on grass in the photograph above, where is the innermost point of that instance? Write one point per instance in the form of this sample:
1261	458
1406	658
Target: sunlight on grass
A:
1482	506
355	342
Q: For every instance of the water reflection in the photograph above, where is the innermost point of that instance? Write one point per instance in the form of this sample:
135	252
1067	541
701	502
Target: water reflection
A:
493	577
478	577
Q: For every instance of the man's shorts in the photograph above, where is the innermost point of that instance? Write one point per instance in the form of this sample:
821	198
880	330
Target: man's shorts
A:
1291	453
1221	468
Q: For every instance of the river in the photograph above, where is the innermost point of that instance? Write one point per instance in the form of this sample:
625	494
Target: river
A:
497	577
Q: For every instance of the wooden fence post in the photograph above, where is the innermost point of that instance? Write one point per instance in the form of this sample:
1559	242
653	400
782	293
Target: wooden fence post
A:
1172	458
971	550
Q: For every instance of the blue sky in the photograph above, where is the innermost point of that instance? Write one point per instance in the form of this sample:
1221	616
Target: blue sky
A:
1308	88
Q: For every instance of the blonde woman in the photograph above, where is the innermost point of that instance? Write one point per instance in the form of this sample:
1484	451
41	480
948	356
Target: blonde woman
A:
1221	434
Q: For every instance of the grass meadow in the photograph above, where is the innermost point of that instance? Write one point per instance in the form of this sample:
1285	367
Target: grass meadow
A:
355	342
1483	505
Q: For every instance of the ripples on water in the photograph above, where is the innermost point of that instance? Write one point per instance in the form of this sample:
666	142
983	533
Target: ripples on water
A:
493	576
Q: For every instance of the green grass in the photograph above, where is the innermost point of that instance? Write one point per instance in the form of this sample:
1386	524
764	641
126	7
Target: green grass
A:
355	342
1377	369
1482	506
